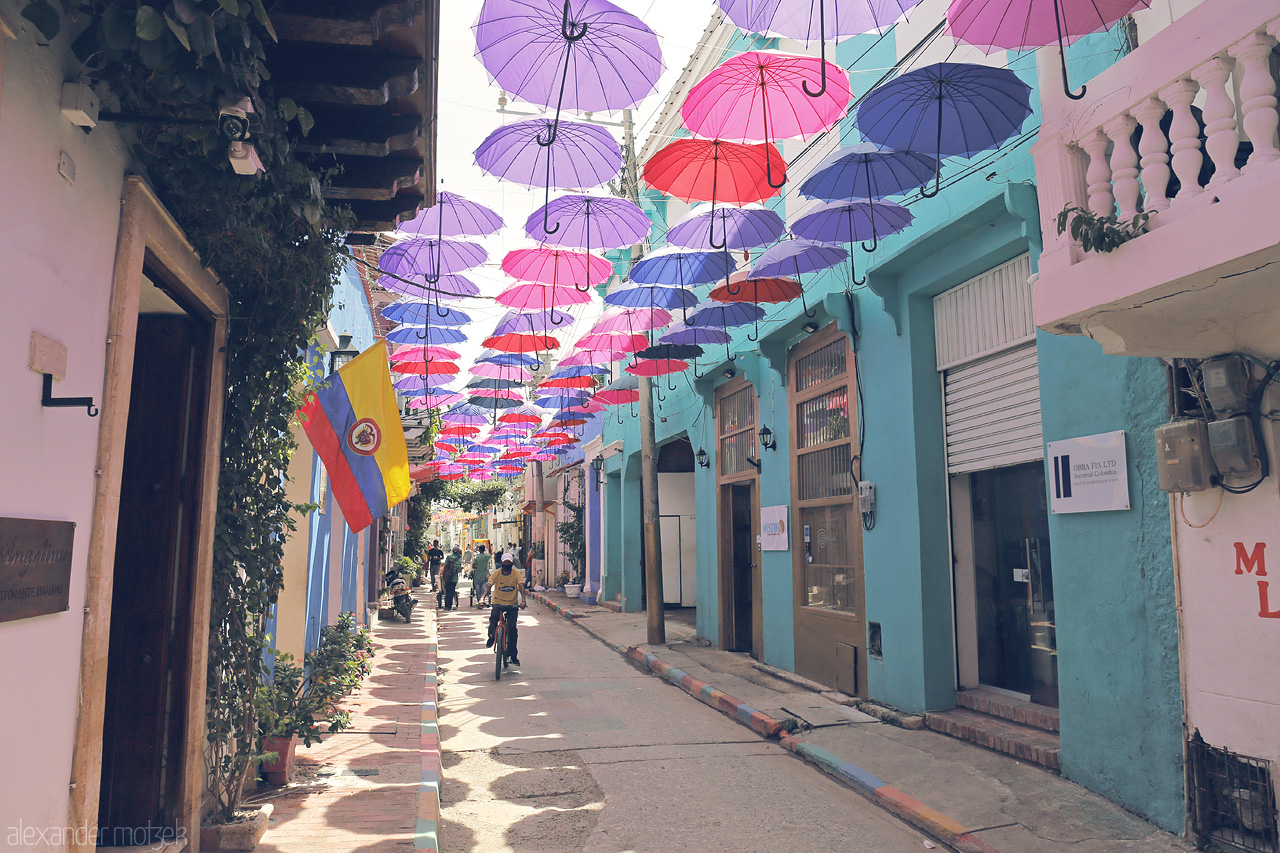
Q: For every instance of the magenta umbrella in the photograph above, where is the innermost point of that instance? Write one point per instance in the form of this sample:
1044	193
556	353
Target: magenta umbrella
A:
502	371
539	297
632	320
993	25
760	96
556	266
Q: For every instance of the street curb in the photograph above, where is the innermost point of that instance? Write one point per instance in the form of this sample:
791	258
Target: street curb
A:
911	810
426	835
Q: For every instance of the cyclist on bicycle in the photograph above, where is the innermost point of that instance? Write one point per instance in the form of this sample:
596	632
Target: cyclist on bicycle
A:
507	584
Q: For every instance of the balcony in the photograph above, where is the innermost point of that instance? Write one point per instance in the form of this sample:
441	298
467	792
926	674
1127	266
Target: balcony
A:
1183	127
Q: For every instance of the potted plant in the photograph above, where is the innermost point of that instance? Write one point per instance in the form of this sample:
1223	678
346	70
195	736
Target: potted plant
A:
411	569
573	535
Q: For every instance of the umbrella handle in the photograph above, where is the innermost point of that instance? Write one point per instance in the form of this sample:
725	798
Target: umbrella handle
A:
546	224
853	270
807	312
822	40
657	392
768	172
1062	56
568	29
671	384
755	333
711	221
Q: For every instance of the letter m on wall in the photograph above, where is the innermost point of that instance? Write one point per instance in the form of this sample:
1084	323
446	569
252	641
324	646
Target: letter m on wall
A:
1249	561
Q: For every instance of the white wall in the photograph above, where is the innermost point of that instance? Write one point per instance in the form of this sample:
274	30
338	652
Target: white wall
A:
58	244
679	538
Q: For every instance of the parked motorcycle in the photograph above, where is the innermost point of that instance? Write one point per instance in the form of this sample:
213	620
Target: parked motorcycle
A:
403	602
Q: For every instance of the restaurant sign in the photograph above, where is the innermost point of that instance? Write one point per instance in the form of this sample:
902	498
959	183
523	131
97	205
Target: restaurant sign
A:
35	567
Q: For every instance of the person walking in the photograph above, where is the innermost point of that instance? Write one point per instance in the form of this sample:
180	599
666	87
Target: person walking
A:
447	597
480	568
434	556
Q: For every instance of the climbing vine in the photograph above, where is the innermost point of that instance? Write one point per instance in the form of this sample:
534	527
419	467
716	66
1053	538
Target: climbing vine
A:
275	245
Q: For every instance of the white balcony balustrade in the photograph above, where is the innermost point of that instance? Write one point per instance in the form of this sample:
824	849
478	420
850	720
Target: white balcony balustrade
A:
1183	128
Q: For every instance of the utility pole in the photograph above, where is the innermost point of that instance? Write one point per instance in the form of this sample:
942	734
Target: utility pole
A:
648	457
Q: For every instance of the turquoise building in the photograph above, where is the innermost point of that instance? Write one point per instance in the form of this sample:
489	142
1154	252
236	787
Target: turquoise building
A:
899	430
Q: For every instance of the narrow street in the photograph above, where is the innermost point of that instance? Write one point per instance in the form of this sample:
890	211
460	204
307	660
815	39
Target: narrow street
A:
577	750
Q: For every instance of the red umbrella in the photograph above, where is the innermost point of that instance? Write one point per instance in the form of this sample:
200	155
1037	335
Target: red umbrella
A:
617	396
772	289
612	341
714	170
568	382
460	429
657	367
426	368
521	343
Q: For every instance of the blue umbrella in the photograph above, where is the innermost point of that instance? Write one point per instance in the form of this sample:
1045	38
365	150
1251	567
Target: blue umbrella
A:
679	333
947	109
578	370
682	267
793	258
420	313
742	227
494	384
511	359
865	170
850	222
652	296
427	335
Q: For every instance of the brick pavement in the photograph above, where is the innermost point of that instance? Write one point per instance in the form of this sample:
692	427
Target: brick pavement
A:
374	788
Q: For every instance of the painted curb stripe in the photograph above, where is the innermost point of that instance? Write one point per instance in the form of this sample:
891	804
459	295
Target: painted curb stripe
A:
426	835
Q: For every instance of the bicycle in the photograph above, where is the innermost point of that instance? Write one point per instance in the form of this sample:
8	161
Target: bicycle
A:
502	655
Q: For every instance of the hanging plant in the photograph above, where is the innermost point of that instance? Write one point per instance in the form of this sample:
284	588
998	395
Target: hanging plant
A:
1101	233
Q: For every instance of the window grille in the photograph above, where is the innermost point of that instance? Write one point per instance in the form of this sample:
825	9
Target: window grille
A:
824	418
822	364
738	440
1233	798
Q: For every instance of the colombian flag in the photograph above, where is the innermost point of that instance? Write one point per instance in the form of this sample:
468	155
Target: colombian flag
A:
353	422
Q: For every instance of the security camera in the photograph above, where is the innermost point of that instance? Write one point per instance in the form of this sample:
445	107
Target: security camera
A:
233	119
244	158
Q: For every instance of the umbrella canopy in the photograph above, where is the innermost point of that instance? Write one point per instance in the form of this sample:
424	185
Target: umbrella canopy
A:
796	257
446	286
739	288
615	341
671	351
532	322
588	222
465	413
584	370
494	403
657	367
624	389
516	343
630	321
557	267
525	414
994	25
431	257
726	316
651	297
424	313
865	170
508	358
852	221
409	352
420	384
503	371
582	156
682	334
714	170
742	227
946	109
453	216
425	368
426	335
542	296
459	429
811	21
682	267
764	95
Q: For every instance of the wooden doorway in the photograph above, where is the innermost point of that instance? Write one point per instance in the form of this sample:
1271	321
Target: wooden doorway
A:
737	458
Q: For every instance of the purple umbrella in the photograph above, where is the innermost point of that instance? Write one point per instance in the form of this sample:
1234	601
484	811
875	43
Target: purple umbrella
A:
533	48
589	222
465	413
866	170
583	155
509	358
532	322
429	257
850	222
454	216
697	335
792	258
420	313
447	286
428	335
742	227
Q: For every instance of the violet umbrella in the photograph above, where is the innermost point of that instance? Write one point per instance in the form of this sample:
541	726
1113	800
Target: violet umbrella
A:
430	258
993	25
502	371
428	335
763	96
717	315
508	358
585	370
851	222
682	334
454	216
945	109
865	170
447	286
744	227
535	48
589	221
832	19
417	313
582	156
795	258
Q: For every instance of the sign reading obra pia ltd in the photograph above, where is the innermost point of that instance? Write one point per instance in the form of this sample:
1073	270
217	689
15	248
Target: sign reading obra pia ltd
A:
1089	474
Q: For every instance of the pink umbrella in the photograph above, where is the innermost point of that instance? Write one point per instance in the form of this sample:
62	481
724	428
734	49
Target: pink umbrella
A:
618	396
615	342
482	475
760	96
502	371
592	356
538	297
657	367
498	393
543	457
632	320
412	352
557	266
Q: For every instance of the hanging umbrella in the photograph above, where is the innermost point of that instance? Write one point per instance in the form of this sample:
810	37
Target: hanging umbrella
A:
583	370
726	316
420	384
428	335
585	356
615	341
657	367
743	227
866	170
559	267
453	216
740	288
832	19
420	313
716	171
582	156
503	371
766	95
532	322
851	222
409	352
425	368
588	222
682	267
495	403
459	429
509	358
508	385
436	400
542	296
623	390
671	351
632	320
651	297
795	258
523	415
535	48
683	334
446	286
946	109
997	25
514	343
464	413
430	258
568	382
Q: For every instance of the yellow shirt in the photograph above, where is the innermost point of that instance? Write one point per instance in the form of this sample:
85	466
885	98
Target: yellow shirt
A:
505	586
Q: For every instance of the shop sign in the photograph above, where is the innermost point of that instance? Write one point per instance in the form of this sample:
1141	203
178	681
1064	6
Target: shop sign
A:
1089	474
773	528
35	567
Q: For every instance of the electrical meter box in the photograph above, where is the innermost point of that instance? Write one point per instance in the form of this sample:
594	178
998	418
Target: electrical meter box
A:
1235	447
1226	384
1182	456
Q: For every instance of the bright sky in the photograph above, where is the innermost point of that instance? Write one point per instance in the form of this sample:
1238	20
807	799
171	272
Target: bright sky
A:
469	112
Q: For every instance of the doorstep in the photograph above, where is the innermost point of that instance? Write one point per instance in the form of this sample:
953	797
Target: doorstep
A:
1000	733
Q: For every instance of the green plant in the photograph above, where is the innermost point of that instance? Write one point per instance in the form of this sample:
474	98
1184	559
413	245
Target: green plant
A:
573	531
1101	233
561	579
408	567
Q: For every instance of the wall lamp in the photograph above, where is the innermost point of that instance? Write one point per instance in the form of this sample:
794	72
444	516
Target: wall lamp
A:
767	441
597	465
730	373
701	456
810	327
342	354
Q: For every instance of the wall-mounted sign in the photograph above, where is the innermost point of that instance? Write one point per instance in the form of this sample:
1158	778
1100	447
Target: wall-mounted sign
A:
35	567
773	528
1088	474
